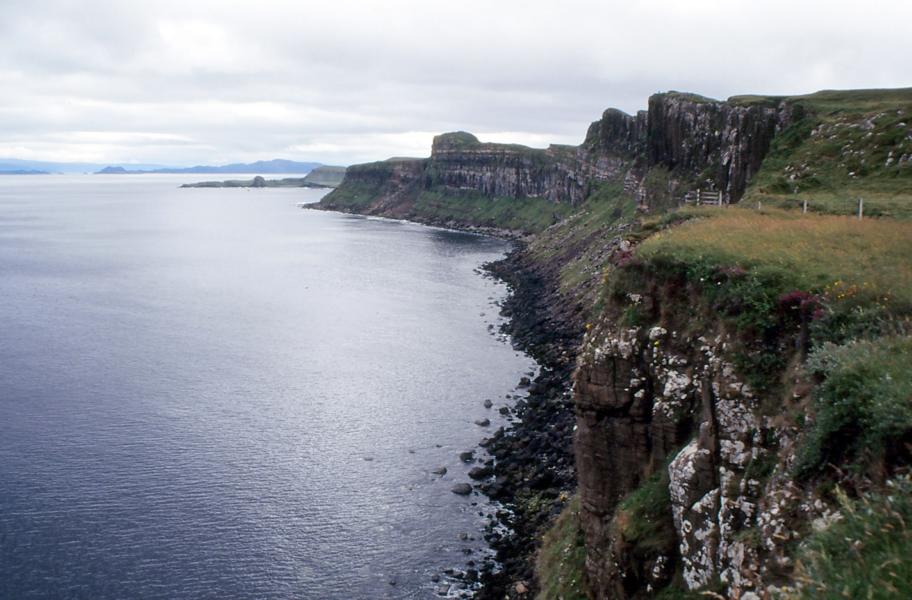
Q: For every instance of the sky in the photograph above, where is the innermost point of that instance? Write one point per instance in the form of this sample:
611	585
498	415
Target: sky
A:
342	81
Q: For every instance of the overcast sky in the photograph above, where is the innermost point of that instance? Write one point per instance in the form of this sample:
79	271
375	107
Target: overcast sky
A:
187	82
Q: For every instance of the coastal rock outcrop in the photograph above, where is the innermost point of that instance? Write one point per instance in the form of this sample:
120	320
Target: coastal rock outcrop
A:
460	162
656	403
681	143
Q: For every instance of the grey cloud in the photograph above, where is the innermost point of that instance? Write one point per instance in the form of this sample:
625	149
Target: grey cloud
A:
350	81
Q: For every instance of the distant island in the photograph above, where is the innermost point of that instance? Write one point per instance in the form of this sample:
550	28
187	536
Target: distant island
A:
18	166
277	165
321	177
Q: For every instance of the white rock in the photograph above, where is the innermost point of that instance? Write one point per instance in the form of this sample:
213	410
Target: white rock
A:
656	333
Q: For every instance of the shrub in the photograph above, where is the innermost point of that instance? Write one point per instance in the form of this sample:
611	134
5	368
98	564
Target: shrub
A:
863	406
867	553
643	518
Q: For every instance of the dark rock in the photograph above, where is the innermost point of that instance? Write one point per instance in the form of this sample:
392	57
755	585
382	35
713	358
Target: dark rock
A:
463	489
480	472
439	471
488	403
483	422
467	457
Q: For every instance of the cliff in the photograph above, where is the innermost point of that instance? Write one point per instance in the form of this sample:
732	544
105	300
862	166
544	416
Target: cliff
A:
687	141
460	162
708	446
468	183
742	393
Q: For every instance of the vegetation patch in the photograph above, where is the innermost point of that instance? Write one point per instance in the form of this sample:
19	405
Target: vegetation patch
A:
562	559
863	407
785	281
582	243
845	146
524	214
851	261
643	519
866	553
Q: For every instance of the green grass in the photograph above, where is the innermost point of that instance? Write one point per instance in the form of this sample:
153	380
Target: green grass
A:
867	554
691	97
351	196
784	282
456	139
847	146
524	214
857	101
833	101
843	259
643	518
863	407
362	185
562	559
577	243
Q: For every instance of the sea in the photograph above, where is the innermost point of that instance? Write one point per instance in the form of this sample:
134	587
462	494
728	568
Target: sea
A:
217	393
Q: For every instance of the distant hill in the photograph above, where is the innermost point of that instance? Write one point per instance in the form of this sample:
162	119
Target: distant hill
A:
23	172
277	165
321	177
33	167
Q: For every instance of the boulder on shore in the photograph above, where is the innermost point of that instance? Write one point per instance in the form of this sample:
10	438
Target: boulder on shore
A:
463	489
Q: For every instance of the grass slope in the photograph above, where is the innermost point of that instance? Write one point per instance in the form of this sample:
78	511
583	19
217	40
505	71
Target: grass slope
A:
562	559
849	145
838	256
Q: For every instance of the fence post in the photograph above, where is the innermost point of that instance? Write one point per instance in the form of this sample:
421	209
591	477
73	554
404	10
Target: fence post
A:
860	208
804	207
720	198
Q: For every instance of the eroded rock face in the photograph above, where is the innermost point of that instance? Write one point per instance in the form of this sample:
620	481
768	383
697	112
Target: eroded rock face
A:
723	141
387	188
460	162
650	399
694	142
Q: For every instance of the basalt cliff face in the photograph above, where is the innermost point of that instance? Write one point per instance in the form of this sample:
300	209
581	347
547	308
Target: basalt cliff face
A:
702	143
692	142
459	162
662	407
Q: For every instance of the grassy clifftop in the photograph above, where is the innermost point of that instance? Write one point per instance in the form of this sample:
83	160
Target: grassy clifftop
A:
849	145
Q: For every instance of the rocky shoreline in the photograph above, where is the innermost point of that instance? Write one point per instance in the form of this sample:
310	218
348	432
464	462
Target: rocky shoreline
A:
511	235
531	471
528	467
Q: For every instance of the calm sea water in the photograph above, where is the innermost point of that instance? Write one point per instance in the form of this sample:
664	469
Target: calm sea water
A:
214	393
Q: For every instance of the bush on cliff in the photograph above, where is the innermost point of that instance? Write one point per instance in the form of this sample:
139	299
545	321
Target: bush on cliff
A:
863	407
866	554
643	519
